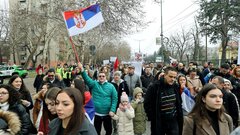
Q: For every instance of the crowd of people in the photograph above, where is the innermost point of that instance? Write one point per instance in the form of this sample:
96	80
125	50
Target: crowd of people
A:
81	99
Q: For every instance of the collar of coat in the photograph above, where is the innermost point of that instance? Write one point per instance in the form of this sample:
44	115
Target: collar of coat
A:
12	120
57	123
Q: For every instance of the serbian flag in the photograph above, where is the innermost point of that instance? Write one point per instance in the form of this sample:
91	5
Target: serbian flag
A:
89	107
115	66
80	21
187	100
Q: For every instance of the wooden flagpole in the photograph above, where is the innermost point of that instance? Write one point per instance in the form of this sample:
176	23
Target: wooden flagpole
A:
74	49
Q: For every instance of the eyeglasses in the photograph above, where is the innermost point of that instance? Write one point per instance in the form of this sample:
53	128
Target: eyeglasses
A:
3	94
50	75
101	76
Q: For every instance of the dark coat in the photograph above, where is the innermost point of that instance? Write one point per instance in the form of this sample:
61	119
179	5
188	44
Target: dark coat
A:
26	124
152	105
121	88
26	96
231	106
9	123
38	82
86	128
56	82
146	80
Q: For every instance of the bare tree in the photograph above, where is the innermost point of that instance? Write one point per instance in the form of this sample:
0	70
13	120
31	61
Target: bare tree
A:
182	41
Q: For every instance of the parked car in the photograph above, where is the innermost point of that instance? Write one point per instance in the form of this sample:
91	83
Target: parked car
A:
7	71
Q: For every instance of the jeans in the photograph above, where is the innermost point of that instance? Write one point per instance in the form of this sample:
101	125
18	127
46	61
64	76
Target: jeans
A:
107	124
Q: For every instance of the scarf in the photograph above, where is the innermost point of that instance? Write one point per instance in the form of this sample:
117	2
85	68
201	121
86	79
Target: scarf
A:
4	106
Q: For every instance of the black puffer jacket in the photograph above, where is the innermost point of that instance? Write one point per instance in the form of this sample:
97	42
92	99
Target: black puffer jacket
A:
9	123
26	124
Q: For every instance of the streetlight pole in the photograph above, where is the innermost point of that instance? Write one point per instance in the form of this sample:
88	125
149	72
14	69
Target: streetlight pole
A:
162	48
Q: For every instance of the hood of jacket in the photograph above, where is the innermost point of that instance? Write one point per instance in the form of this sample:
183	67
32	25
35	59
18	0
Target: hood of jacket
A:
136	91
9	122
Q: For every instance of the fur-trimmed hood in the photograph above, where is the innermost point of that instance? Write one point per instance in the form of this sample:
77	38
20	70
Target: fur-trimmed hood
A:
9	123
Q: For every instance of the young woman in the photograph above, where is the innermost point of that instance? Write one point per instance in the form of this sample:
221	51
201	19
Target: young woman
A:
9	101
207	116
71	119
38	104
185	90
49	111
25	96
87	99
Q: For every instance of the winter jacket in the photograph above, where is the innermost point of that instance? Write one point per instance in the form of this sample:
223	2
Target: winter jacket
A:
139	121
9	123
152	104
205	128
37	106
86	128
125	121
122	87
133	81
26	124
26	96
38	82
104	95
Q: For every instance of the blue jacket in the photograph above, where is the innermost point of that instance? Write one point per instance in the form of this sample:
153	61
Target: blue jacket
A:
104	95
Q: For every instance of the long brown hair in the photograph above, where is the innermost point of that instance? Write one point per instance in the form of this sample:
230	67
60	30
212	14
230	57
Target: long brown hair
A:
199	111
77	116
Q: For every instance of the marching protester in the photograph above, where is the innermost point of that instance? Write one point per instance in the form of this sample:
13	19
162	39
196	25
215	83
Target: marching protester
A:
10	101
163	105
121	86
139	121
229	101
105	100
87	98
17	82
133	80
186	95
124	116
48	110
207	116
71	119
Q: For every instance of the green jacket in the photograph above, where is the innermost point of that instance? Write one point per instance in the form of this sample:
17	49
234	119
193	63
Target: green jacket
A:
104	95
139	122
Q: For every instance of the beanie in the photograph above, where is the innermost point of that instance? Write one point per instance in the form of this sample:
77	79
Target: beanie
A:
124	97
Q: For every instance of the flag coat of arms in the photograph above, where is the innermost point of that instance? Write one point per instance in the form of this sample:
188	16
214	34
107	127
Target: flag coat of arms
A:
80	21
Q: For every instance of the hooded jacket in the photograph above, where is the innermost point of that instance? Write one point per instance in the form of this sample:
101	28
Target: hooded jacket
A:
9	123
139	122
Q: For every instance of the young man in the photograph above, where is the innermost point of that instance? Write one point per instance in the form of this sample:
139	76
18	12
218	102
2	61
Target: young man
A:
163	105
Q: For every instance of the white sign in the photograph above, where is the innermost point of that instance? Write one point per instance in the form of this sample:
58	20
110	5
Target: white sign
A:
105	62
113	59
138	68
159	59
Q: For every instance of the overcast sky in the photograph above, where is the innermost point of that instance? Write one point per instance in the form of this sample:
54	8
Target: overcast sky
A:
176	14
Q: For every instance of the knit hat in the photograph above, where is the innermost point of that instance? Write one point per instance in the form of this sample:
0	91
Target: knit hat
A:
124	97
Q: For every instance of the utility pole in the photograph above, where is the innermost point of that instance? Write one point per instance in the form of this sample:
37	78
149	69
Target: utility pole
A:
161	35
139	43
